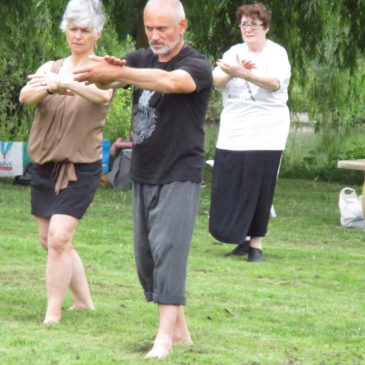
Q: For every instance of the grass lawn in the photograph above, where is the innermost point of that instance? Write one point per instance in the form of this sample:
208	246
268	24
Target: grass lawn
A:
304	305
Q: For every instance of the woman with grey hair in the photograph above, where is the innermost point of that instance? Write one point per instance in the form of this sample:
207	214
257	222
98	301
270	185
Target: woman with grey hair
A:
65	145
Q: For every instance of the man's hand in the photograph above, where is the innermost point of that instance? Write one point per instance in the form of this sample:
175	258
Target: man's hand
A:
102	72
240	69
115	61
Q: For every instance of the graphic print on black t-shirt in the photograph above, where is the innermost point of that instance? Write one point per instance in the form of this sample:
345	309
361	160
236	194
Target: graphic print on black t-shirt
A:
144	118
168	133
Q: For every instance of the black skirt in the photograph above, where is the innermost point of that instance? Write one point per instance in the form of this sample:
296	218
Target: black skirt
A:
74	200
242	193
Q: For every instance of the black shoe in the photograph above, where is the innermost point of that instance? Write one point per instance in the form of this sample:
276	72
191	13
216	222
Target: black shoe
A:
239	250
255	255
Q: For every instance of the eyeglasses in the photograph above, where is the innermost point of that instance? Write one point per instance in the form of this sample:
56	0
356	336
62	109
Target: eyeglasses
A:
252	26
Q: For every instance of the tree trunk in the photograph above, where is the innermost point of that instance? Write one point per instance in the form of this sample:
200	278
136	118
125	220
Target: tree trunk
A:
141	39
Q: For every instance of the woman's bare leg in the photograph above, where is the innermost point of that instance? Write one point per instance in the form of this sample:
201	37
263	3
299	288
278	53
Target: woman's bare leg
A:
78	283
59	263
79	286
43	224
256	242
255	253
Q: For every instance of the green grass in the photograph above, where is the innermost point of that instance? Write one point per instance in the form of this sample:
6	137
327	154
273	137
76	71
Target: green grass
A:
304	305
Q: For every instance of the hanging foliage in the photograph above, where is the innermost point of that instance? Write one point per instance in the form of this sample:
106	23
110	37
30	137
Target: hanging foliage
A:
325	43
30	36
324	40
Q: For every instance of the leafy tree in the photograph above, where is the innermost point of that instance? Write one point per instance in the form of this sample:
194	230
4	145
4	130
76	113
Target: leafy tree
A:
30	36
324	40
127	18
25	44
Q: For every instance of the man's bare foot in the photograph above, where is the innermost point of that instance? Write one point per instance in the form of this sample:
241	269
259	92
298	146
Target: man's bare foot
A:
182	335
161	348
182	340
51	319
79	306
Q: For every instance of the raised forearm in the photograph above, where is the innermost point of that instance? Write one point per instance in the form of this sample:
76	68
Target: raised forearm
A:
111	85
91	93
220	79
158	80
269	83
104	74
29	96
243	69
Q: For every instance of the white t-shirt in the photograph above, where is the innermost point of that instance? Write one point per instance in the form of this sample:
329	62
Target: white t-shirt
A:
254	118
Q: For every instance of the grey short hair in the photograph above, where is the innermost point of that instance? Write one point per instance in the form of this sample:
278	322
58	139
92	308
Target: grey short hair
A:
84	13
179	8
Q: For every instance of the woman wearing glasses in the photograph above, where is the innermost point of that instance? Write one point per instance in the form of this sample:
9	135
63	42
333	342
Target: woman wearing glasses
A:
253	77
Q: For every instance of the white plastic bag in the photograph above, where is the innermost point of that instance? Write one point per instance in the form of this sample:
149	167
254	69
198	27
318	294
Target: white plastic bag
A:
351	214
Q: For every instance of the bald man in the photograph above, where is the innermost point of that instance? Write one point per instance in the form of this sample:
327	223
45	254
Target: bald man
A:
172	85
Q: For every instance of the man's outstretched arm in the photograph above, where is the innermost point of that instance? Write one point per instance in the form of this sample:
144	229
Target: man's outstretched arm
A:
112	73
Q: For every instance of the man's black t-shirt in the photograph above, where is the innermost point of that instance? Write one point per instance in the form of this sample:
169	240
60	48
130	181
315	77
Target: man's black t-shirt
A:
168	134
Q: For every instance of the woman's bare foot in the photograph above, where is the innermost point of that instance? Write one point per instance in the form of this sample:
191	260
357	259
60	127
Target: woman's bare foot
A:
161	348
